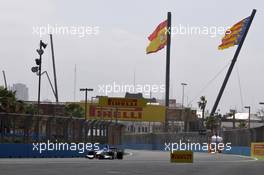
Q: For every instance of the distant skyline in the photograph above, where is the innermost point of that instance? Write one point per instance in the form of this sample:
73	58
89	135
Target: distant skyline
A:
114	48
21	90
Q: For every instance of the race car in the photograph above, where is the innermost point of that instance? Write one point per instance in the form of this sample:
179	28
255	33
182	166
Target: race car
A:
106	153
91	154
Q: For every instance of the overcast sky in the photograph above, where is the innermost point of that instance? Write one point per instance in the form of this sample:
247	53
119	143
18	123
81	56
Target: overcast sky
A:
118	49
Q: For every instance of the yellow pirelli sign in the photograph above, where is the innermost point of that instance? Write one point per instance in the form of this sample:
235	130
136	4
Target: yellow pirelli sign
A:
257	150
181	157
124	109
121	102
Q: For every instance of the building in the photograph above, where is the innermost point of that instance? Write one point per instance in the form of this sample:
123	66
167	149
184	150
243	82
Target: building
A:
229	123
21	91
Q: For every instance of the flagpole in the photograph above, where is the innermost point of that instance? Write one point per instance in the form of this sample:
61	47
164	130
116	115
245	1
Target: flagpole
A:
167	82
232	63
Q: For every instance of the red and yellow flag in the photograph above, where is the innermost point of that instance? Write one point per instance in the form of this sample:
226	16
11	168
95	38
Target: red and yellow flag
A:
234	34
158	39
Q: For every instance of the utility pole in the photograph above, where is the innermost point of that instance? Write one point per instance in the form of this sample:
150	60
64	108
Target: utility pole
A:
85	107
183	85
38	69
54	69
167	82
39	63
5	79
248	107
74	88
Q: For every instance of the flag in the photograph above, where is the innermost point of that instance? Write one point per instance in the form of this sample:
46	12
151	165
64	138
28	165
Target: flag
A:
234	34
158	39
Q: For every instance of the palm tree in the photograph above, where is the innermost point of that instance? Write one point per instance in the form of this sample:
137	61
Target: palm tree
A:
9	103
211	123
7	100
202	104
242	124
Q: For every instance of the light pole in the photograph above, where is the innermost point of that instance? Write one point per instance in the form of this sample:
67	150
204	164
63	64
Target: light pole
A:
183	85
38	69
248	107
182	111
262	103
233	113
39	63
85	107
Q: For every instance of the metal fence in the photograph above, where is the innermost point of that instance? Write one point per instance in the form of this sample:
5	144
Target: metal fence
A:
22	128
244	137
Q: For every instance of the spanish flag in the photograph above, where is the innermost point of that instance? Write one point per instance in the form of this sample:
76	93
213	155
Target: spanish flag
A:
158	39
234	34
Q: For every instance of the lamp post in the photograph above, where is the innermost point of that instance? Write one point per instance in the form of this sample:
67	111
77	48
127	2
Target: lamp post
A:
248	107
262	103
85	107
233	113
183	85
39	63
37	68
182	110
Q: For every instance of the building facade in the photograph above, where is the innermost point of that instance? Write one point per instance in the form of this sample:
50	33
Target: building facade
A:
21	91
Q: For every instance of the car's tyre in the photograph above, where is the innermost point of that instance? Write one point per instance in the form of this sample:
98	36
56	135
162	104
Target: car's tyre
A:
119	155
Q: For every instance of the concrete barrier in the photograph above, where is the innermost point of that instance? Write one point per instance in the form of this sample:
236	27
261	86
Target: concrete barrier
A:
26	151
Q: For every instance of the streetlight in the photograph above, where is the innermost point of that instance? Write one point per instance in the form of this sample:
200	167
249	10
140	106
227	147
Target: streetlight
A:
262	103
85	107
182	111
37	68
38	63
233	113
248	107
183	84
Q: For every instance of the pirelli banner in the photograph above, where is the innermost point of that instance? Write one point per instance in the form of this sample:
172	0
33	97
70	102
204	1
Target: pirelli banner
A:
125	109
257	150
181	157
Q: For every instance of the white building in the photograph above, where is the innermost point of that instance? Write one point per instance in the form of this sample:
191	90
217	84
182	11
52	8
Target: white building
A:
21	91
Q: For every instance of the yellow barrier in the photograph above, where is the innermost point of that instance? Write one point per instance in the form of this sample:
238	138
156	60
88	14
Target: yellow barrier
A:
181	157
257	150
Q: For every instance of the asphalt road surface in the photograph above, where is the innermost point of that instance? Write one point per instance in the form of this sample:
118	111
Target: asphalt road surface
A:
138	162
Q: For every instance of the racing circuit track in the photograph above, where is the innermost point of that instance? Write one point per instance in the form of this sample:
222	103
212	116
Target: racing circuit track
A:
137	162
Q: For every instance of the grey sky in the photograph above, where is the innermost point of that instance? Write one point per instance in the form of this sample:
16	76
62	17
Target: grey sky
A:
119	48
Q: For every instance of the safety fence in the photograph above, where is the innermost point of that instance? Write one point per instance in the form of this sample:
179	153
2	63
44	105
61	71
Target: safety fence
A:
18	128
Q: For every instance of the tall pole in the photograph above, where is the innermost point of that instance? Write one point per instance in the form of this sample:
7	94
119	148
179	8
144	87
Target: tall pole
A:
74	88
232	64
85	107
54	68
249	113
39	74
262	103
5	79
167	83
249	108
40	52
183	85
